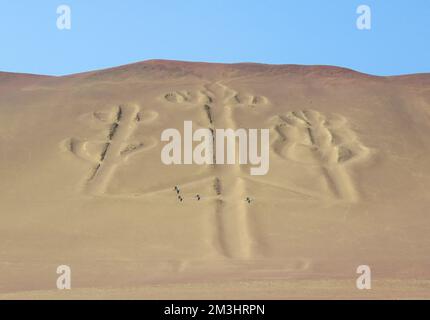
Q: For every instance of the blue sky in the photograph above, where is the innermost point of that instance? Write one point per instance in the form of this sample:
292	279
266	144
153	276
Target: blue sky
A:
110	33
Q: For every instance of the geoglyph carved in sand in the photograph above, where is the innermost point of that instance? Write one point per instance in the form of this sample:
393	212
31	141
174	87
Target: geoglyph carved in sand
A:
233	235
306	137
310	138
114	149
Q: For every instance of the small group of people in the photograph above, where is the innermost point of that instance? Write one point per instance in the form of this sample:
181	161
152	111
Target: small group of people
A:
198	197
178	192
180	198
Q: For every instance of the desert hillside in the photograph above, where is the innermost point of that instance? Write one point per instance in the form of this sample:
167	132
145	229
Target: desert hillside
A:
82	184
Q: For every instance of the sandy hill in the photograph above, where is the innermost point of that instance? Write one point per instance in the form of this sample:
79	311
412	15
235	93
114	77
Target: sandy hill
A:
82	184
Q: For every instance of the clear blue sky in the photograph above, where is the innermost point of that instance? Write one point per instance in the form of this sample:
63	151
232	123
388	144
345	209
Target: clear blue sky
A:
110	33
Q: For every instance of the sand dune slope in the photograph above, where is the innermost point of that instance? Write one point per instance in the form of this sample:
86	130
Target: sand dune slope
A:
82	184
